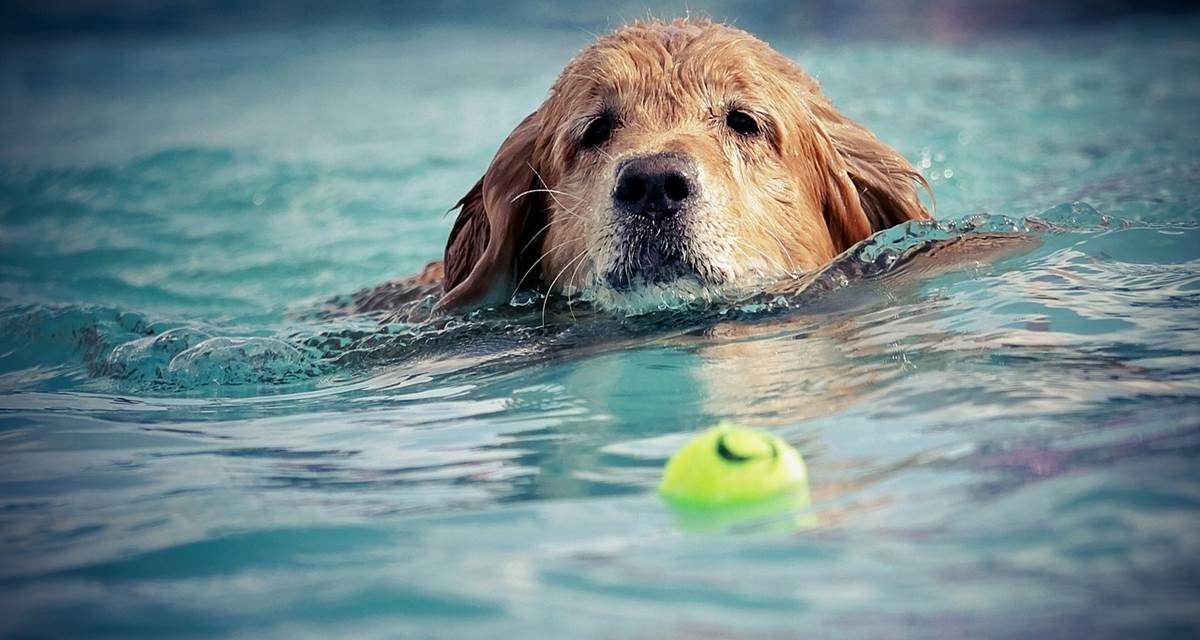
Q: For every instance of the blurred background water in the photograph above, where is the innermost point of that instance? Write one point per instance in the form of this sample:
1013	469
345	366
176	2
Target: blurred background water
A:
187	450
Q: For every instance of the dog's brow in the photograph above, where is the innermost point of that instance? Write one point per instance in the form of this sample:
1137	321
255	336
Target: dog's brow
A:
580	122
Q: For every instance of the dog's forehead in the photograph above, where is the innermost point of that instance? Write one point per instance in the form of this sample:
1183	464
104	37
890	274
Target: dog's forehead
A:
668	58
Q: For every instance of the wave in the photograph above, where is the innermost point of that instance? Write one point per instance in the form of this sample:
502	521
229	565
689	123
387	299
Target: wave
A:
47	345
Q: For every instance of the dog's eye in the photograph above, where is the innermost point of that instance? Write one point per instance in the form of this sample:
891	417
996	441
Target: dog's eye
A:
742	122
597	132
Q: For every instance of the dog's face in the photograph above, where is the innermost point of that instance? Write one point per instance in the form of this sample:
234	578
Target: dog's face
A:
672	161
676	168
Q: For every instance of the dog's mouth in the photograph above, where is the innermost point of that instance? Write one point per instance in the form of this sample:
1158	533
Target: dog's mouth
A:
658	257
647	265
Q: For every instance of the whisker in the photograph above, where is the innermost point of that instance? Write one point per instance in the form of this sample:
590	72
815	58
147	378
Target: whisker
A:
534	236
521	280
548	189
570	211
571	286
561	207
550	289
554	191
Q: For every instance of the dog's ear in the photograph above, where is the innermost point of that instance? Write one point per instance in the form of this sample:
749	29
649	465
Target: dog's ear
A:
480	259
870	187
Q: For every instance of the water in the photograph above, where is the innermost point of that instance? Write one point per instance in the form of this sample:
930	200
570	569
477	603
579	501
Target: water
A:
1006	450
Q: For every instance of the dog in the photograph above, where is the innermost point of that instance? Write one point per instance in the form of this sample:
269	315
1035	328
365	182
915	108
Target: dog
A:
671	161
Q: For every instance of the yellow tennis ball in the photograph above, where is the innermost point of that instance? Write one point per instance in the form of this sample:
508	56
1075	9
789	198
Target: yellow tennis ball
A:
730	465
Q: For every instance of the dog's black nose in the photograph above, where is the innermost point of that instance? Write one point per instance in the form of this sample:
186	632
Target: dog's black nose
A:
656	186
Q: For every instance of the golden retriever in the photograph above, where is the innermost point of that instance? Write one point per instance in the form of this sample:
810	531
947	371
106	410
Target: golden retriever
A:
672	160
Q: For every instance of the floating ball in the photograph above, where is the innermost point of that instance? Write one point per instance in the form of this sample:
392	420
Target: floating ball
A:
731	465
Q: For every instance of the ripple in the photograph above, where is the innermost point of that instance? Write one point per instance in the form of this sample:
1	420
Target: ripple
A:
238	361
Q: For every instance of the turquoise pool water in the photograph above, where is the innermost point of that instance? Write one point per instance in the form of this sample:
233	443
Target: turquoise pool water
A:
1008	450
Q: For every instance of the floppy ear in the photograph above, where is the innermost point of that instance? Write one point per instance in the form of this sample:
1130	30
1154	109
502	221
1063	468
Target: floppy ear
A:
871	187
480	259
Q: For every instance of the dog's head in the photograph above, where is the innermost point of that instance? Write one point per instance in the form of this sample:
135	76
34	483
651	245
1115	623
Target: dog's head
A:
672	159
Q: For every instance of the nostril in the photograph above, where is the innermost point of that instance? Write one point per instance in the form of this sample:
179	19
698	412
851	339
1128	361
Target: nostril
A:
630	188
675	187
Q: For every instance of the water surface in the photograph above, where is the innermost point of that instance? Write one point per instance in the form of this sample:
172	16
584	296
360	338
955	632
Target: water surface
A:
1005	450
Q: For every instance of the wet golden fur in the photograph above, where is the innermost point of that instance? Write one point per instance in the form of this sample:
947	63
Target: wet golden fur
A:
809	185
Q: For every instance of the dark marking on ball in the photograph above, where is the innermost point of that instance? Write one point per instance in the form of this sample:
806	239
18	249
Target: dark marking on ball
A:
729	454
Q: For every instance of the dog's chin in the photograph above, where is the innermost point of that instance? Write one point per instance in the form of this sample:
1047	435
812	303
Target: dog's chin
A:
641	297
647	279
